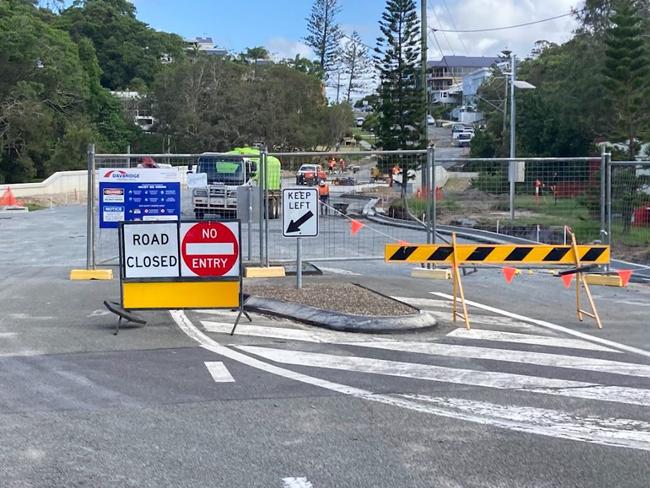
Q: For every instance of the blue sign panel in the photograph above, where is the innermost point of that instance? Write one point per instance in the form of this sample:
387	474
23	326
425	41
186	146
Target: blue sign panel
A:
138	194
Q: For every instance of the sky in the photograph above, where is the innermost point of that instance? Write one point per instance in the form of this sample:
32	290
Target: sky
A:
280	25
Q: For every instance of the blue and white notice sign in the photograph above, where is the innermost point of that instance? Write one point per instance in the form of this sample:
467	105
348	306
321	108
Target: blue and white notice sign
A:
128	194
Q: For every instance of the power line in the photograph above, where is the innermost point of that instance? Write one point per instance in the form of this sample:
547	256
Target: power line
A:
453	24
504	27
443	33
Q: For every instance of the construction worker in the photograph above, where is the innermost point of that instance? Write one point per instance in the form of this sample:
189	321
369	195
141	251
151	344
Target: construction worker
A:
332	164
324	196
341	166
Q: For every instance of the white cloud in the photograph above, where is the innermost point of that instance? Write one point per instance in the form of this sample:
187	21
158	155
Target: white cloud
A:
482	14
281	48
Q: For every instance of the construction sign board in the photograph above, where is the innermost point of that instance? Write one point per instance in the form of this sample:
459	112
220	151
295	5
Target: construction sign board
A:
535	254
177	265
138	194
300	212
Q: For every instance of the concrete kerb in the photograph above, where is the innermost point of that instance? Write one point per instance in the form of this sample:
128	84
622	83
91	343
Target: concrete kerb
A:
341	322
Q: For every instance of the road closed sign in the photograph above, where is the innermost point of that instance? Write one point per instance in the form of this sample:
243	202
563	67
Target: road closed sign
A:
151	250
209	249
300	212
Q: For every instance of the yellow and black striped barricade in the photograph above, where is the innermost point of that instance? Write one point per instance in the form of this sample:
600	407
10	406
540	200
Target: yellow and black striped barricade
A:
179	265
539	255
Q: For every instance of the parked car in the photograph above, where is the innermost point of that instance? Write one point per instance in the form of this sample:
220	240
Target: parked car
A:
464	139
360	121
431	120
309	174
464	130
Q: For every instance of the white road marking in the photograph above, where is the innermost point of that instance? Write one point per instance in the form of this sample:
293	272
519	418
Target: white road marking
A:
8	335
188	328
549	325
216	311
296	483
219	372
522	357
339	271
537	340
542	420
489	320
316	336
488	379
425	302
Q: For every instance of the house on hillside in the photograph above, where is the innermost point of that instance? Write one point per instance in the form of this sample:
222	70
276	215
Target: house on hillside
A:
204	45
451	79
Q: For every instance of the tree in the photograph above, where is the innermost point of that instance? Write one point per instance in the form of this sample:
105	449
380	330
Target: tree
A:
324	33
356	63
252	54
397	60
304	65
626	71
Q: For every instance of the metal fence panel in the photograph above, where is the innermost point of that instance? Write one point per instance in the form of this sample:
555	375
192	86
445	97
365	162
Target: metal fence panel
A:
629	204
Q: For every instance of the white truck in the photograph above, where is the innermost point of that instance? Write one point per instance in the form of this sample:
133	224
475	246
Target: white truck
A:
225	174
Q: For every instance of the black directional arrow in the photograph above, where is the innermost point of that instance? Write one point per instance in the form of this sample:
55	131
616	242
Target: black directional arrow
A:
294	226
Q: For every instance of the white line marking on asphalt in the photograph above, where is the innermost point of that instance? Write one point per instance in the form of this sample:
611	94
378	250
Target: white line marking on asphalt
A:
296	483
522	357
320	336
549	325
542	420
425	302
489	320
219	372
193	332
488	379
8	334
339	271
537	340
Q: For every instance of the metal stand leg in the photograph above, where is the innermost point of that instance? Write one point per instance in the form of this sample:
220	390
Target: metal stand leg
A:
117	328
247	316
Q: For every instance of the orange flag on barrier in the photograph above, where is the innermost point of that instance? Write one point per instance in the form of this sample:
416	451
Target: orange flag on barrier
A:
567	279
8	199
625	275
509	274
403	243
355	226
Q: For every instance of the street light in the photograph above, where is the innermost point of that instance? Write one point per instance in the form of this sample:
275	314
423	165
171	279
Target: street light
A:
522	85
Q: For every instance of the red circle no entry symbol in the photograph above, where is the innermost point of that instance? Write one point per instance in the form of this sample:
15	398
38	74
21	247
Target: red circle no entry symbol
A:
209	249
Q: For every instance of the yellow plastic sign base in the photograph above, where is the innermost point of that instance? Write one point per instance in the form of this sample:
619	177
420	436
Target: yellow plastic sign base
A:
91	274
180	294
266	272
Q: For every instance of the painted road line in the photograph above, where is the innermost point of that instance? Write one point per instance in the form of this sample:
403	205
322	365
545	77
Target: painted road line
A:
424	302
542	420
211	345
316	336
488	379
489	320
536	340
551	326
522	357
219	372
296	483
339	271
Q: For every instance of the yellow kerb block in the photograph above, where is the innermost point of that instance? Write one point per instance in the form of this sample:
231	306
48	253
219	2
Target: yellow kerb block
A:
431	274
603	280
91	274
265	272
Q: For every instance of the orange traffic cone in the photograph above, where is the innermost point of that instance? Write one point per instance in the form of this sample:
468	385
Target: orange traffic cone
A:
8	199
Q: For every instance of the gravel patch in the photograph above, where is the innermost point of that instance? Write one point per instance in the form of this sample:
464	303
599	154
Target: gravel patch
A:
343	298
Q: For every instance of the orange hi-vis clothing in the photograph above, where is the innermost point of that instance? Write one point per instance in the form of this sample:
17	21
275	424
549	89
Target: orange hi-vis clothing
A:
324	190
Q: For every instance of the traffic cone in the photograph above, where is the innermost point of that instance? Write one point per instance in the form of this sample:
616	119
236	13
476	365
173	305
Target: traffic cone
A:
567	279
625	275
355	226
509	274
8	199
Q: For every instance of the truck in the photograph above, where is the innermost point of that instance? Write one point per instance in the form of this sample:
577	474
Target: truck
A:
228	172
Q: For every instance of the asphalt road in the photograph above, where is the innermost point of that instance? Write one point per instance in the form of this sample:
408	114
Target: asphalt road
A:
529	397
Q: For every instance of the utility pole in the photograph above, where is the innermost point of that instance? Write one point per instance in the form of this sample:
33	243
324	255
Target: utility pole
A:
425	96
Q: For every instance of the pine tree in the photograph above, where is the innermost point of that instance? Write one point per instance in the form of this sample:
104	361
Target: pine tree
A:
627	69
397	59
356	63
324	33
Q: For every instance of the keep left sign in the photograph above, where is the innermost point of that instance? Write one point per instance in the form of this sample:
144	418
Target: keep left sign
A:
209	249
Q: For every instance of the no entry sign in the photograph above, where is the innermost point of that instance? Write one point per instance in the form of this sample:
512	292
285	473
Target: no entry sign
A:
209	249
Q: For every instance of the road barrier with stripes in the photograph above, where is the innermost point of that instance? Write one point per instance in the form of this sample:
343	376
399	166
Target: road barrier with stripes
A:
581	258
